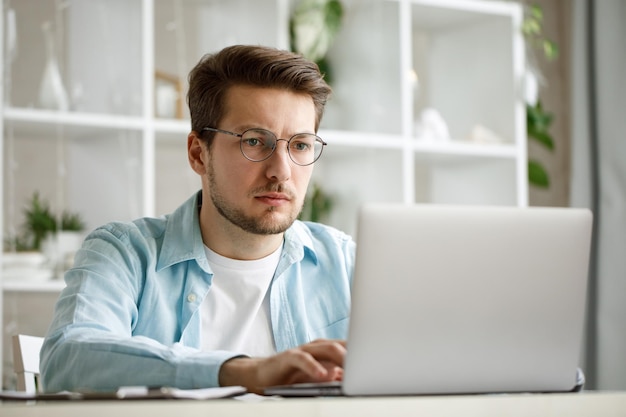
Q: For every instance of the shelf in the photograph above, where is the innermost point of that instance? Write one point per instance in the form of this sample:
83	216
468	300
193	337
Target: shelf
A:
345	141
465	53
35	120
169	129
365	140
51	286
342	142
450	14
461	148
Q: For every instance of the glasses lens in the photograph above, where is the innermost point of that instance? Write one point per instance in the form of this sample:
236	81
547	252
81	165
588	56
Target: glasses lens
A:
305	148
257	144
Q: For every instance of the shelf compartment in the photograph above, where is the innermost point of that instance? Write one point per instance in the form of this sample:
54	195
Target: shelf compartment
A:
366	72
467	65
95	171
175	181
184	31
97	45
459	180
352	176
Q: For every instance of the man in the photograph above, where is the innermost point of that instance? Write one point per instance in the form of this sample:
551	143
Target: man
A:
230	289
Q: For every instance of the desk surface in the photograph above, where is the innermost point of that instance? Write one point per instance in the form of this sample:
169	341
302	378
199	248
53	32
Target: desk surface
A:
597	404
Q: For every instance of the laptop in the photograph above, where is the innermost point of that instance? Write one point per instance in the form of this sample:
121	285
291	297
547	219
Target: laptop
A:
464	300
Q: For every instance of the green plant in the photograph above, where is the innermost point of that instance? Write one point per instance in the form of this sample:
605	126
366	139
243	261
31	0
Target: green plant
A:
538	123
538	120
313	27
72	222
532	30
17	244
317	205
39	222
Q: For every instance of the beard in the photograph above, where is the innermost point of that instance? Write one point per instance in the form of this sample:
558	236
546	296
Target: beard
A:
266	223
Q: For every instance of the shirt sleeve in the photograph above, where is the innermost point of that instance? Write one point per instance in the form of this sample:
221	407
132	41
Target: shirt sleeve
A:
91	343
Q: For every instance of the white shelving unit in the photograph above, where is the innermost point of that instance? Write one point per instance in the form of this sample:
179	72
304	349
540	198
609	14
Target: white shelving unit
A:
110	157
394	59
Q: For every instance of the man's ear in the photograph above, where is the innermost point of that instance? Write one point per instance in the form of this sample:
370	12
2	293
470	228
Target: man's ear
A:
196	154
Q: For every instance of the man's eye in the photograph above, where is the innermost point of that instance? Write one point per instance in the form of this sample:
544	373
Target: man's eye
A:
300	146
253	142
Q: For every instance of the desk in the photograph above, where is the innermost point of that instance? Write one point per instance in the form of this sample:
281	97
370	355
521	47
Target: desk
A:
597	404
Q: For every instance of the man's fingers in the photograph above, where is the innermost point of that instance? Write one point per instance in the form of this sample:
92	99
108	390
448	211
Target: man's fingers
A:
327	350
305	362
318	361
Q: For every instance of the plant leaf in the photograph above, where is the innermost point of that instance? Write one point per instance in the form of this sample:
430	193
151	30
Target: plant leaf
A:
537	124
313	27
325	69
536	12
536	116
72	221
531	27
542	137
334	13
537	175
550	49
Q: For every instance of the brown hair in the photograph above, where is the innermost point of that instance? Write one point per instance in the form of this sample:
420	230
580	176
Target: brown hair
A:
258	66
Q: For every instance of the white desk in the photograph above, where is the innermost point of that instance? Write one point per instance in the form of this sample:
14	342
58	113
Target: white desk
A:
596	404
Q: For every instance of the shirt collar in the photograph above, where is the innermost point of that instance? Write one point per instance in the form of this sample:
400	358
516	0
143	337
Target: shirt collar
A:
182	240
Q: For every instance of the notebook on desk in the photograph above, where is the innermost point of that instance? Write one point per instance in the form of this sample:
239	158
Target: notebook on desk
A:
464	299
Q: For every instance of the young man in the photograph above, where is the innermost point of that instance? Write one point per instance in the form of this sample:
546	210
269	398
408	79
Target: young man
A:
230	289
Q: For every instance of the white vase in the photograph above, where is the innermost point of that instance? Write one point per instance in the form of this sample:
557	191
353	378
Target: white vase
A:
60	249
52	93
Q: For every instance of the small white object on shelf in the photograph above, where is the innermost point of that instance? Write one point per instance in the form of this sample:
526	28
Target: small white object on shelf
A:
481	134
52	93
432	126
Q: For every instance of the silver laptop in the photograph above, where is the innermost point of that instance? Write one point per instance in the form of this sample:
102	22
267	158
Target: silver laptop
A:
464	299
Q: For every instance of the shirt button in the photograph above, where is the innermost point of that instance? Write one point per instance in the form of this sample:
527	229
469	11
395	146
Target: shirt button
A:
191	298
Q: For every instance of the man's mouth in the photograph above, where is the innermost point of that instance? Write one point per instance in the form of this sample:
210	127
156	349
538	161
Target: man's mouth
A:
273	199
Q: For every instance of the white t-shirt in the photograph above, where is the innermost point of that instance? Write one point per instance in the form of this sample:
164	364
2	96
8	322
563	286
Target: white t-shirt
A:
236	311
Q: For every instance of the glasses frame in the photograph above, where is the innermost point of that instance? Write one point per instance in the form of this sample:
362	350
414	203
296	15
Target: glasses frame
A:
240	136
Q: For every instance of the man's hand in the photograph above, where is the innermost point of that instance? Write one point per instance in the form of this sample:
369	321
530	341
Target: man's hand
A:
318	361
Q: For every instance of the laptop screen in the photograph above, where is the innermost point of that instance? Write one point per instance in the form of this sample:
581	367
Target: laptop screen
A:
467	299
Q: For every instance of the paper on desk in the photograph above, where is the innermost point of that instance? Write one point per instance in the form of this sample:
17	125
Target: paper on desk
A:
131	393
177	393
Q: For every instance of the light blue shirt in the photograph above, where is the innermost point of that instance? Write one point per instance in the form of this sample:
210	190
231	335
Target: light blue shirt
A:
130	314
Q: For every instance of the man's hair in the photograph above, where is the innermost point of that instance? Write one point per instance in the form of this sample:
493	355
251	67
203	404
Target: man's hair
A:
256	66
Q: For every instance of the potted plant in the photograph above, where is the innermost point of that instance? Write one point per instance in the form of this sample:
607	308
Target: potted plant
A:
61	246
56	237
39	222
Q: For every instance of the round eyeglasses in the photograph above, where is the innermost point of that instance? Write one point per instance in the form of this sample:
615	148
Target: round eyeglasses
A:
259	144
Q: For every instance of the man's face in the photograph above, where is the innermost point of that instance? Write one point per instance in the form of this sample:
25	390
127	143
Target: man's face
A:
259	197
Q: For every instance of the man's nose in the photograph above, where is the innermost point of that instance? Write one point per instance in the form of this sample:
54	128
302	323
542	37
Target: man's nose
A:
280	162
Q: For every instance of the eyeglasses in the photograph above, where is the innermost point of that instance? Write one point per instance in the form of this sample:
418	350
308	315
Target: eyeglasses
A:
259	144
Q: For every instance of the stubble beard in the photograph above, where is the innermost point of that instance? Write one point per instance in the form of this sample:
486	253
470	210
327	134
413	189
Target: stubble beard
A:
265	224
